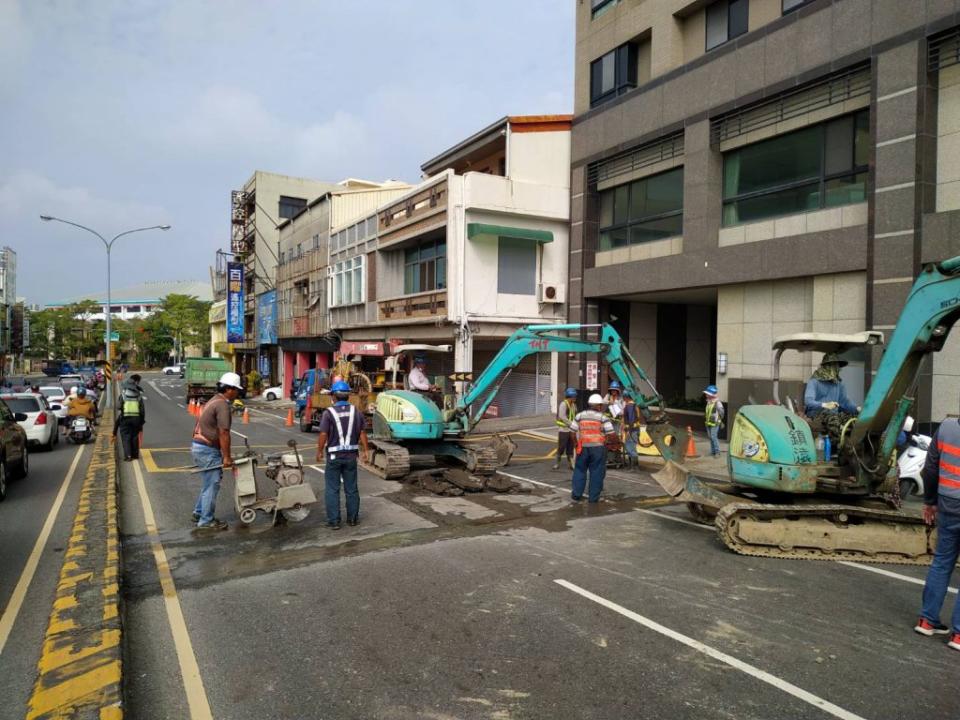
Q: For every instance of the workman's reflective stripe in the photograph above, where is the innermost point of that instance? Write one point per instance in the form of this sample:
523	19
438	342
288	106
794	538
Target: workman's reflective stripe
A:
711	415
948	442
131	407
591	432
566	414
344	439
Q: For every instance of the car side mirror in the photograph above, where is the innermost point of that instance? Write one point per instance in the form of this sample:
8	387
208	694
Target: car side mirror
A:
56	407
20	417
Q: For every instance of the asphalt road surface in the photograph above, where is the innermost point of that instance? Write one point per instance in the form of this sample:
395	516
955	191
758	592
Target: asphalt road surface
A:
35	523
495	606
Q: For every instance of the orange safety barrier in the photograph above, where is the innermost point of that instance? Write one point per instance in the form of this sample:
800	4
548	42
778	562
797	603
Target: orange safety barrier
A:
691	451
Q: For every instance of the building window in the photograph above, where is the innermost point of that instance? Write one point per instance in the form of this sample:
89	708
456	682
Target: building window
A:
133	308
299	250
348	281
290	206
789	5
613	74
726	19
425	267
642	211
516	266
816	167
599	7
316	241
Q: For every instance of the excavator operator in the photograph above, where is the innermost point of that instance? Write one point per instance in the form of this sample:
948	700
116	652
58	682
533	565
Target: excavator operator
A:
825	399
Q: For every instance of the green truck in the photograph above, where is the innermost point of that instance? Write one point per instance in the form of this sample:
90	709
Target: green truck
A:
202	375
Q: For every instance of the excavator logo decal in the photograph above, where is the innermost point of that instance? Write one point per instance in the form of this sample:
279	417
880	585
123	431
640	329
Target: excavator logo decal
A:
542	344
950	303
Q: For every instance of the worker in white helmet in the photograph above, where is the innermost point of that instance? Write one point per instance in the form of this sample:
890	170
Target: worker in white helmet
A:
211	449
592	428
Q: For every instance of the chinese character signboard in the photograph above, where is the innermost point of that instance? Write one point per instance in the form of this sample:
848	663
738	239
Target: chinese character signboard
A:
592	373
267	318
234	302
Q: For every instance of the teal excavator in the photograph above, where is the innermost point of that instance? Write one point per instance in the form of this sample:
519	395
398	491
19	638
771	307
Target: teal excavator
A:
409	423
787	502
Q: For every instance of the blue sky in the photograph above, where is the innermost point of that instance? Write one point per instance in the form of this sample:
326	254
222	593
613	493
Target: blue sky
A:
137	112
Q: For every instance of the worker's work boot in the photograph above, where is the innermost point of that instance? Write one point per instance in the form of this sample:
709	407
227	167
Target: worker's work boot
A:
556	465
954	642
925	627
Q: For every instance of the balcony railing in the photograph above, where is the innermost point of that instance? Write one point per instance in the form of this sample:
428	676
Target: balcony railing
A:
414	215
308	325
310	262
428	304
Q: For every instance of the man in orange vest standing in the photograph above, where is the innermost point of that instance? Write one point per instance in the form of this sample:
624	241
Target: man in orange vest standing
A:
592	428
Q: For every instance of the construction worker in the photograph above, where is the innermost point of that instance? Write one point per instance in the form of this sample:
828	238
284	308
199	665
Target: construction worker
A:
592	428
630	429
614	401
210	450
825	398
343	425
713	418
129	423
566	412
941	505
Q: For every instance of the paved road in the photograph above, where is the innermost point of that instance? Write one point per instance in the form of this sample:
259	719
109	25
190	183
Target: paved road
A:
27	584
497	606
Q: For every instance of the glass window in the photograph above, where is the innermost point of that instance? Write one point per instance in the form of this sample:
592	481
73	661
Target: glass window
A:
599	7
289	207
425	267
726	19
789	5
613	74
819	166
516	266
647	209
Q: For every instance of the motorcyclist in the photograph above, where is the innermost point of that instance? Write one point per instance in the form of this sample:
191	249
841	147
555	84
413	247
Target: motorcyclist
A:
82	406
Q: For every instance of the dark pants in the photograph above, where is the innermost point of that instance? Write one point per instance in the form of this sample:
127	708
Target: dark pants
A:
335	470
833	422
565	444
938	576
592	459
129	432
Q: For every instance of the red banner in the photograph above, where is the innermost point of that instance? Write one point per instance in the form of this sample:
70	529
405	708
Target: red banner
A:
349	347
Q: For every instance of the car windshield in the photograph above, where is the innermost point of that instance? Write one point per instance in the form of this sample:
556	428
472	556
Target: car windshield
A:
52	392
23	405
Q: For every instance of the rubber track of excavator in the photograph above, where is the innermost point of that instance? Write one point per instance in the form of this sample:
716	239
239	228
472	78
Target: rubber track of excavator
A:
799	529
396	460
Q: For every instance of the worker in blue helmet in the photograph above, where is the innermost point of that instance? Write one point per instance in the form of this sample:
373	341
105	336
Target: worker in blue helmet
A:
713	418
343	436
566	438
614	402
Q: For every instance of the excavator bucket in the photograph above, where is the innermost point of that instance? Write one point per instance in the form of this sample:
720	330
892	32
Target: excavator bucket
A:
677	482
505	447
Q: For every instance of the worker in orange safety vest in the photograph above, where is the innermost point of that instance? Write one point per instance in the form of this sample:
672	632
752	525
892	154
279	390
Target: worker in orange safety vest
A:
592	428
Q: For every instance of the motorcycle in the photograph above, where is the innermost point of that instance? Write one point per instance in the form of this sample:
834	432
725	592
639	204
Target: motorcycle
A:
910	464
238	407
81	430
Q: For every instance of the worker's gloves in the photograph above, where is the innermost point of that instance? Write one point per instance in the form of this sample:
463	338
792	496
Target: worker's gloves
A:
830	405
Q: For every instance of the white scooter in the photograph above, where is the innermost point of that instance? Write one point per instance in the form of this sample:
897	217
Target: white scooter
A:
911	462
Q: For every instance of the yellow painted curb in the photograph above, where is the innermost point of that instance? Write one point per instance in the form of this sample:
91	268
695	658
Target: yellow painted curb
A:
80	667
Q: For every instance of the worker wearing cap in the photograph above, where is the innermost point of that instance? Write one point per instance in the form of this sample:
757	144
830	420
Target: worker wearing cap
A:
592	428
129	423
418	378
713	418
210	449
343	425
630	429
825	399
566	412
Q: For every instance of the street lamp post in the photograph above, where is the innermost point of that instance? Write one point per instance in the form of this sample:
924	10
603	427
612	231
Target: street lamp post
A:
108	244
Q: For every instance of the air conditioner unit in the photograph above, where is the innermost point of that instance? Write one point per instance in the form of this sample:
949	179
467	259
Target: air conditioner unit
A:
552	293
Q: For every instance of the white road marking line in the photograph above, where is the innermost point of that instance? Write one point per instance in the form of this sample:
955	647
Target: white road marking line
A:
162	393
318	468
762	675
665	516
30	568
532	482
264	412
189	669
889	573
181	405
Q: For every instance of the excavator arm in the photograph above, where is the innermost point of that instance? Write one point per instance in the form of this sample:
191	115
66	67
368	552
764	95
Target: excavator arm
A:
534	339
928	315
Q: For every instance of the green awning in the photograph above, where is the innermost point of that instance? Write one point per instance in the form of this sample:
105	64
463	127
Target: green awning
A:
475	230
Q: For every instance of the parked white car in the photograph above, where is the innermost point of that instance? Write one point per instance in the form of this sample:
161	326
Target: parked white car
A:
57	400
174	369
273	393
41	422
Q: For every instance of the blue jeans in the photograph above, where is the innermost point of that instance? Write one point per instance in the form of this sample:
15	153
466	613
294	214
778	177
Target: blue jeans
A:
205	456
630	442
938	576
593	459
334	471
713	432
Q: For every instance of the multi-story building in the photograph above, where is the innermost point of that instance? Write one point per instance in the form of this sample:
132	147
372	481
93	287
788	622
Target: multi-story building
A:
476	250
257	210
744	169
303	329
8	295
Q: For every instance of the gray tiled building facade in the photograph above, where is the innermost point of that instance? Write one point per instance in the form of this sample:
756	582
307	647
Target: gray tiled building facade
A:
744	169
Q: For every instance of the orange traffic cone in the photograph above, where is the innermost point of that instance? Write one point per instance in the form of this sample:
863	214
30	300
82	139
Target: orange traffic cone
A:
289	422
691	451
189	407
246	416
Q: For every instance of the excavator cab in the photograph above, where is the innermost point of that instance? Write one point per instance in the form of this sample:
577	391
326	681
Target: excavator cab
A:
773	446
